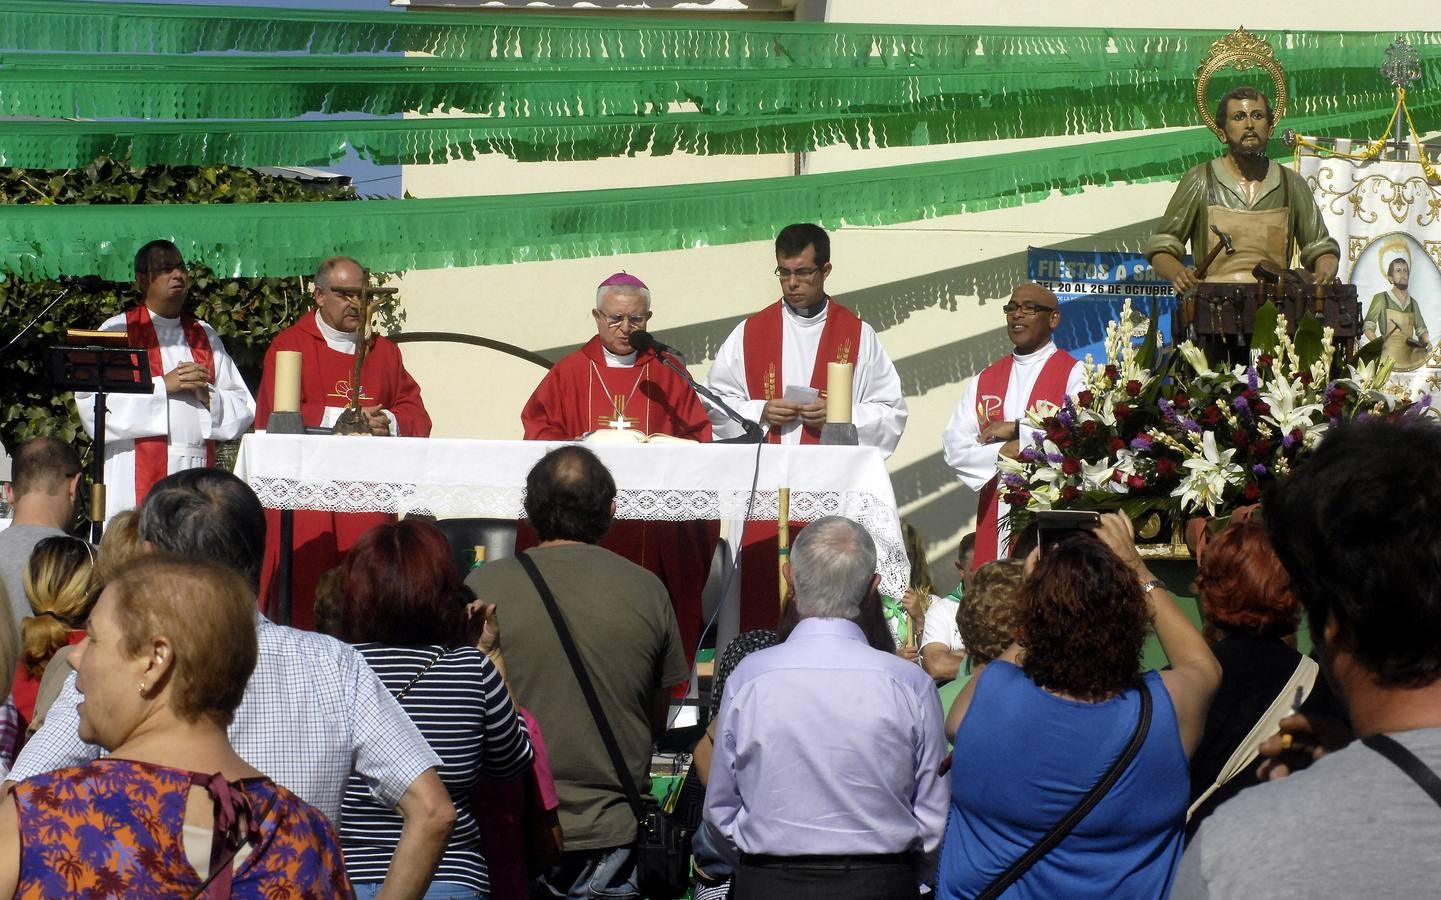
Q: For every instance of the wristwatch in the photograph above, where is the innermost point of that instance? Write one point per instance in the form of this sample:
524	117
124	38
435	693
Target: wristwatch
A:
1151	585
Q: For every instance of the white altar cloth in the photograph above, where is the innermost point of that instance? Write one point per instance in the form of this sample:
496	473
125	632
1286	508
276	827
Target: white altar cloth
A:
659	482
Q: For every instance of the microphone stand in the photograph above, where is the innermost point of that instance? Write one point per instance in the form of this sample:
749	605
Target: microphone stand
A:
753	433
65	291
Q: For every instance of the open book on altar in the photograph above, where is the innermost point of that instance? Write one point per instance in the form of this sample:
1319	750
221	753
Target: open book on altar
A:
632	436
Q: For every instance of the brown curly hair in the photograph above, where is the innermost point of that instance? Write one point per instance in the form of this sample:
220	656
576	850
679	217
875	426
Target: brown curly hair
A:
1242	586
1083	621
989	612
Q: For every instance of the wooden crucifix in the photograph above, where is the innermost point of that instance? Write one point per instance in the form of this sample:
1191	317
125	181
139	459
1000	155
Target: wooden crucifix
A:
366	297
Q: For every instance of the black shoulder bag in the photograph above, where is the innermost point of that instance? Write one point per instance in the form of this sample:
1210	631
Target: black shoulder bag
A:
662	851
1058	833
1407	762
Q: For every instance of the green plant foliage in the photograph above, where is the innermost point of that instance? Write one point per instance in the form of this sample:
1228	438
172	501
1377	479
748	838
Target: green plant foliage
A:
247	312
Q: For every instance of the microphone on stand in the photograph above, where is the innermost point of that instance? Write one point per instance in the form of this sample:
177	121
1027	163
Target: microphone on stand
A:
87	284
644	340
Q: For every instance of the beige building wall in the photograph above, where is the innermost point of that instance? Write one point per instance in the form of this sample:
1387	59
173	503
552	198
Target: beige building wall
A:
932	289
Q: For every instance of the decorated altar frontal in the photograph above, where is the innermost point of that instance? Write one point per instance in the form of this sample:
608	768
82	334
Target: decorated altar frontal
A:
658	482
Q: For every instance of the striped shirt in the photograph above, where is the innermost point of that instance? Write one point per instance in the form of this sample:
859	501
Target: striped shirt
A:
460	703
312	713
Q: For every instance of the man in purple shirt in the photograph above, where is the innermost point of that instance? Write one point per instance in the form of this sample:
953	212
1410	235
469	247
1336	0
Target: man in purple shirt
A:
824	782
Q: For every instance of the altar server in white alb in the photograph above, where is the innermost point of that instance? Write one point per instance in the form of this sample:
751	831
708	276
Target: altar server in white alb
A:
785	348
773	368
198	397
988	422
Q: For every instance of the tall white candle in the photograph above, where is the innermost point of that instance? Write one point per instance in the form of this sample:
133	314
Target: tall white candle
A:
838	393
287	381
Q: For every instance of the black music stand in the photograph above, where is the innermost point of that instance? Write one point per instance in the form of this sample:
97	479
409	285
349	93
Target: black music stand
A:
99	362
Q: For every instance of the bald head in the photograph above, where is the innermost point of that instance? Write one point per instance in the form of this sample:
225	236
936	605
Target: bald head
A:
570	496
1032	314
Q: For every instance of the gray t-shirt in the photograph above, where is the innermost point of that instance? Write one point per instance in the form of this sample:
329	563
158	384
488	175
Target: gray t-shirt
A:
1352	825
625	629
16	544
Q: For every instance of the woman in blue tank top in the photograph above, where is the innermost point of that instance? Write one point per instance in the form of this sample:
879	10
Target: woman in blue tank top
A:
1042	725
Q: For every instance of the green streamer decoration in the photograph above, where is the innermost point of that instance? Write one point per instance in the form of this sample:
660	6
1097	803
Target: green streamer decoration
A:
637	41
1051	102
288	238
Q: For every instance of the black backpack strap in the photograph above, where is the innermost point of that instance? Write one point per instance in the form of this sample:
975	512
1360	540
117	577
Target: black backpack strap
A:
602	725
1058	833
1407	762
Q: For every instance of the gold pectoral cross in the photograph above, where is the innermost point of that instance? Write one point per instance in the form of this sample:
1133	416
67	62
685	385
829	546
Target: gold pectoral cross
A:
618	421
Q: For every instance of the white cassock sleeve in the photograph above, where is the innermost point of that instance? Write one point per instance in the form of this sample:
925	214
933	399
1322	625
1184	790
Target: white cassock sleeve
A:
727	377
878	410
232	408
127	416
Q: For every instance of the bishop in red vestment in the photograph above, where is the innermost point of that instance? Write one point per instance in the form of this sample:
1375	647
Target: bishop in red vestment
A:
326	340
609	384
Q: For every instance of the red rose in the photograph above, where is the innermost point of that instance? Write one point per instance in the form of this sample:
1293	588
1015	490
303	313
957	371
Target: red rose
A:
1088	427
1133	387
1261	449
1111	373
1182	399
1116	476
1210	416
1331	410
1264	361
1340	392
1305	378
1260	407
1085	398
1165	467
1135	482
1122	410
1070	465
1252	491
1240	439
1069	492
1115	444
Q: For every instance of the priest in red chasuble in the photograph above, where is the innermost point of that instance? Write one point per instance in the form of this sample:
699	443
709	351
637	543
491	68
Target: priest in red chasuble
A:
988	422
389	397
608	384
784	349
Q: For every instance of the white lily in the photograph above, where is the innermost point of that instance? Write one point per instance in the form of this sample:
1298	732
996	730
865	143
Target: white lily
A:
1208	476
1286	413
1096	476
1194	356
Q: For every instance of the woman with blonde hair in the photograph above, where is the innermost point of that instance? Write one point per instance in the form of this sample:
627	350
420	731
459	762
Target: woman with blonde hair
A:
59	582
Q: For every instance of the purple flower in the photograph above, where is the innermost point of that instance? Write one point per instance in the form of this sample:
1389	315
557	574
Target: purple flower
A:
1288	441
1241	405
1141	442
1259	469
1055	458
1067	418
1191	425
1252	380
1014	482
1168	409
1030	455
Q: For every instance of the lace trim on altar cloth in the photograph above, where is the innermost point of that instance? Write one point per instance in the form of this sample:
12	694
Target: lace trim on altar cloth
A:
651	505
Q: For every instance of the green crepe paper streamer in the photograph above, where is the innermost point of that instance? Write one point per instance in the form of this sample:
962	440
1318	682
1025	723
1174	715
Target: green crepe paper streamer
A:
279	239
42	144
688	42
1016	107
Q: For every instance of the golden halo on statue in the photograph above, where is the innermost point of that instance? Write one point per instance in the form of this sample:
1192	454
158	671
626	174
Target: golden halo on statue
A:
1239	50
1394	249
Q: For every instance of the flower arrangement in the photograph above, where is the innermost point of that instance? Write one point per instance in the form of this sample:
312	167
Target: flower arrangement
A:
1149	433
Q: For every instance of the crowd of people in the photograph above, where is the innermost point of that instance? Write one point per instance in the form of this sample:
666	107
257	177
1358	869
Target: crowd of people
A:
433	731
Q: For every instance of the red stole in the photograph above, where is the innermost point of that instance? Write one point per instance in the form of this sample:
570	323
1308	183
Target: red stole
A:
992	382
610	392
763	340
152	463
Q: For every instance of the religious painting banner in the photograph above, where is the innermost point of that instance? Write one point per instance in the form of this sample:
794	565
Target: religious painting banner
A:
1092	286
1386	215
